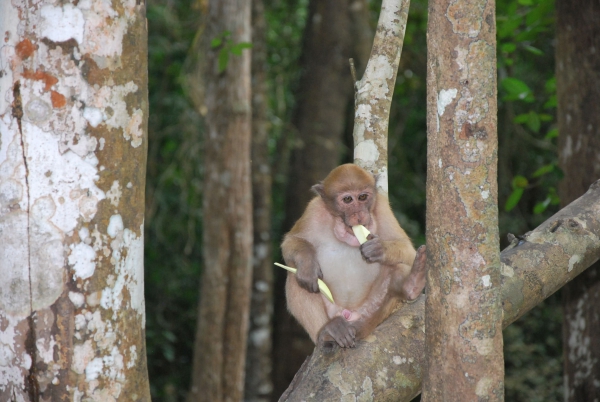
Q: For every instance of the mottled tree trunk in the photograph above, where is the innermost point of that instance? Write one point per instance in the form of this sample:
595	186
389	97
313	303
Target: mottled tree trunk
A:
463	312
259	365
73	141
578	86
325	90
220	349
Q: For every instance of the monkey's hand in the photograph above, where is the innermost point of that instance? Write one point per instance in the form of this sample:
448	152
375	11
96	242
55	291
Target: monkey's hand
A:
373	250
308	272
337	330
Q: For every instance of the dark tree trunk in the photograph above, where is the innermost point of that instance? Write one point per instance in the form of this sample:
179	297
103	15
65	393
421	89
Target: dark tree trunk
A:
220	348
259	384
326	88
578	86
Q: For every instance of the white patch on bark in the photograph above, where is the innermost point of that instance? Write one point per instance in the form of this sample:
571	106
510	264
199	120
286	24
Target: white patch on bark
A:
9	20
486	281
483	387
82	258
575	258
382	180
445	97
115	193
129	269
94	116
379	71
367	151
78	299
399	360
115	225
59	24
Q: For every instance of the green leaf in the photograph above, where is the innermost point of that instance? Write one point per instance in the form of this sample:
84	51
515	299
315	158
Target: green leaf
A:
508	47
513	199
223	60
554	198
534	50
551	85
541	206
516	89
526	2
216	42
542	171
552	134
507	28
551	103
519	182
238	47
533	122
522	118
545	117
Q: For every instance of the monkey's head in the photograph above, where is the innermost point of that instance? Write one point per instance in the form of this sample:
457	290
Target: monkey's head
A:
349	192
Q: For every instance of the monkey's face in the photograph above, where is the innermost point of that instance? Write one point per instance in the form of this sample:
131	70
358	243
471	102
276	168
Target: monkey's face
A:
354	207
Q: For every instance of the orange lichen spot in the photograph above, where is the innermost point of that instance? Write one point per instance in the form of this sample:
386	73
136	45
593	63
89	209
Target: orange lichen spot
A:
43	76
58	100
24	49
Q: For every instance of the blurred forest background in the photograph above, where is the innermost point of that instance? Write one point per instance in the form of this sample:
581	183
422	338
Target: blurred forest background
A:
528	172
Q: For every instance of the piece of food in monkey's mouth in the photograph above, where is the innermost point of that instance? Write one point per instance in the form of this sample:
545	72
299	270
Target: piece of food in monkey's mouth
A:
322	286
361	233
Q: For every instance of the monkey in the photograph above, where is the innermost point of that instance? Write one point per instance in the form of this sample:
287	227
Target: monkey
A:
367	281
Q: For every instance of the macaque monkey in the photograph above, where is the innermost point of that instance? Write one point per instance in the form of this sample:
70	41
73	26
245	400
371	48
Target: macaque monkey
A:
367	281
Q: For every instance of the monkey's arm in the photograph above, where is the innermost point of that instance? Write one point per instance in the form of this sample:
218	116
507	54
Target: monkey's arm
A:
390	245
301	254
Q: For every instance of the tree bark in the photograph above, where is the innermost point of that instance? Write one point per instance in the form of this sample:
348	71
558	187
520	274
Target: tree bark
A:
220	349
578	87
73	141
375	90
464	348
389	364
259	364
324	92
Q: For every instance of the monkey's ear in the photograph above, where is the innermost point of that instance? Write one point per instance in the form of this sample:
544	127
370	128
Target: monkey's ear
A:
319	189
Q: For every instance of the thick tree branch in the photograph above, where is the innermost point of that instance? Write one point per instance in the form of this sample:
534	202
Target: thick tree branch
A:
388	364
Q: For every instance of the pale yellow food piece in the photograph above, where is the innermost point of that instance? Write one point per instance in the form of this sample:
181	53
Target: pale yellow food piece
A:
322	286
361	233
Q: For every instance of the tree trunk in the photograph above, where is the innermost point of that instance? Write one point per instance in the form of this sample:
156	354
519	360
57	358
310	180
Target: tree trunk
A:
220	349
389	364
73	141
259	365
325	90
578	86
463	312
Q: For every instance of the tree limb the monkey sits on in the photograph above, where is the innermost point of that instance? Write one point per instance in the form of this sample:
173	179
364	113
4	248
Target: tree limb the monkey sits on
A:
367	281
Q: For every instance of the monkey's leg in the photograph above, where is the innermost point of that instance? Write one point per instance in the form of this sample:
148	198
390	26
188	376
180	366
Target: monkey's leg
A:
308	308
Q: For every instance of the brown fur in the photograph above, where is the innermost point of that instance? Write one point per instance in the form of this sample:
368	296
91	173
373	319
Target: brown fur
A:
366	281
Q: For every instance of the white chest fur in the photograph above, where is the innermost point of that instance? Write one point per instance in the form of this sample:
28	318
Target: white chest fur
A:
343	267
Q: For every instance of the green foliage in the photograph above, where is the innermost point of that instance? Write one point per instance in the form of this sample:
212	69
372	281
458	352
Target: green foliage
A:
227	47
173	202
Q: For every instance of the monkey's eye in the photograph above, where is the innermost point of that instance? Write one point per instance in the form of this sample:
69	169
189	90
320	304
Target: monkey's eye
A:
347	199
363	197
